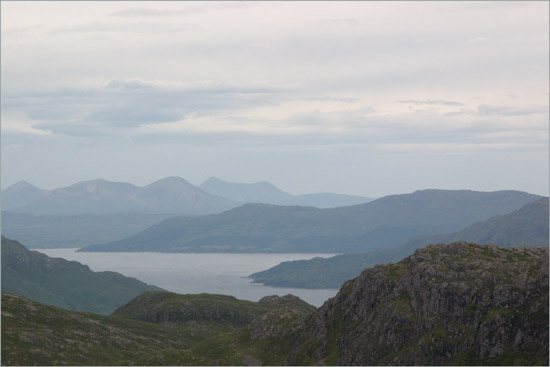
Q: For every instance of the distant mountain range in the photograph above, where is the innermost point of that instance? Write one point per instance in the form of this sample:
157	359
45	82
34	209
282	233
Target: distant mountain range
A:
266	193
99	211
62	283
525	226
170	195
388	221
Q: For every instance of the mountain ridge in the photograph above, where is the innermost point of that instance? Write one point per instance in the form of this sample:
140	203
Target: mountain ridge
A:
172	195
386	222
266	193
527	225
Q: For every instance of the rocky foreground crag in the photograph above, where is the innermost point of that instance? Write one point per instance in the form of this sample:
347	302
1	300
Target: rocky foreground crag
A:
456	304
446	304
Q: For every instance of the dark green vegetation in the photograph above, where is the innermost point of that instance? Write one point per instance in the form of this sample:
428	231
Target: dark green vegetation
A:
178	330
525	226
204	309
66	284
266	193
457	304
172	195
57	231
389	221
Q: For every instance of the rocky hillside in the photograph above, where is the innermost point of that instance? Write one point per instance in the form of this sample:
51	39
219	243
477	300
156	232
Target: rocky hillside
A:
457	304
204	309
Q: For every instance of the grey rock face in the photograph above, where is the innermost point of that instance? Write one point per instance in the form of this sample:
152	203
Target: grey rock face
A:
446	304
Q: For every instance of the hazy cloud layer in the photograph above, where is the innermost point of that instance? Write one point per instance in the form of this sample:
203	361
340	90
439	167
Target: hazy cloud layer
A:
367	98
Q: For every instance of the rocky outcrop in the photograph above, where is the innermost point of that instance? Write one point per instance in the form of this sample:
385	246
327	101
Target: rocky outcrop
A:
281	322
202	310
447	304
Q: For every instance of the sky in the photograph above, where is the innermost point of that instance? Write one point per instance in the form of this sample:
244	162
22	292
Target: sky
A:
363	98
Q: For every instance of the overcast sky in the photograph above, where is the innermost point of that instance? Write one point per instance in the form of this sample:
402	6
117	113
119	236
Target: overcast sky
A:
366	98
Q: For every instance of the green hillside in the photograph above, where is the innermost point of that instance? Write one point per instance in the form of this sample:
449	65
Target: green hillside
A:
38	334
62	283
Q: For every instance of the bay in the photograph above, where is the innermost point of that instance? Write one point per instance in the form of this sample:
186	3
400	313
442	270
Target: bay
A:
191	273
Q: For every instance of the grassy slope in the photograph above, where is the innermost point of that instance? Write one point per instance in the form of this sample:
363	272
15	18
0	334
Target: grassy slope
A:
33	333
63	283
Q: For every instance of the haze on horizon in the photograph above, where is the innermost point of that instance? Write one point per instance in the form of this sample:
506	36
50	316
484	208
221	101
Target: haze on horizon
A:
364	98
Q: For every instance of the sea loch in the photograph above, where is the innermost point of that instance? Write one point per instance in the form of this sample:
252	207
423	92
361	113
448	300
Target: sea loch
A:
184	273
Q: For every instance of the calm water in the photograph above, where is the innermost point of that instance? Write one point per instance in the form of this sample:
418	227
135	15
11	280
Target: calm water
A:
198	273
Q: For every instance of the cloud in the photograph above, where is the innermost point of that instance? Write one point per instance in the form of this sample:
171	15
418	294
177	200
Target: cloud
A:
455	113
152	12
133	103
431	102
344	21
479	40
485	110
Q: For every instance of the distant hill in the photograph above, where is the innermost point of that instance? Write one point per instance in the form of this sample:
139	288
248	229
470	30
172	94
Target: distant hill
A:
260	192
525	226
58	231
266	193
387	222
171	195
329	200
62	283
20	194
